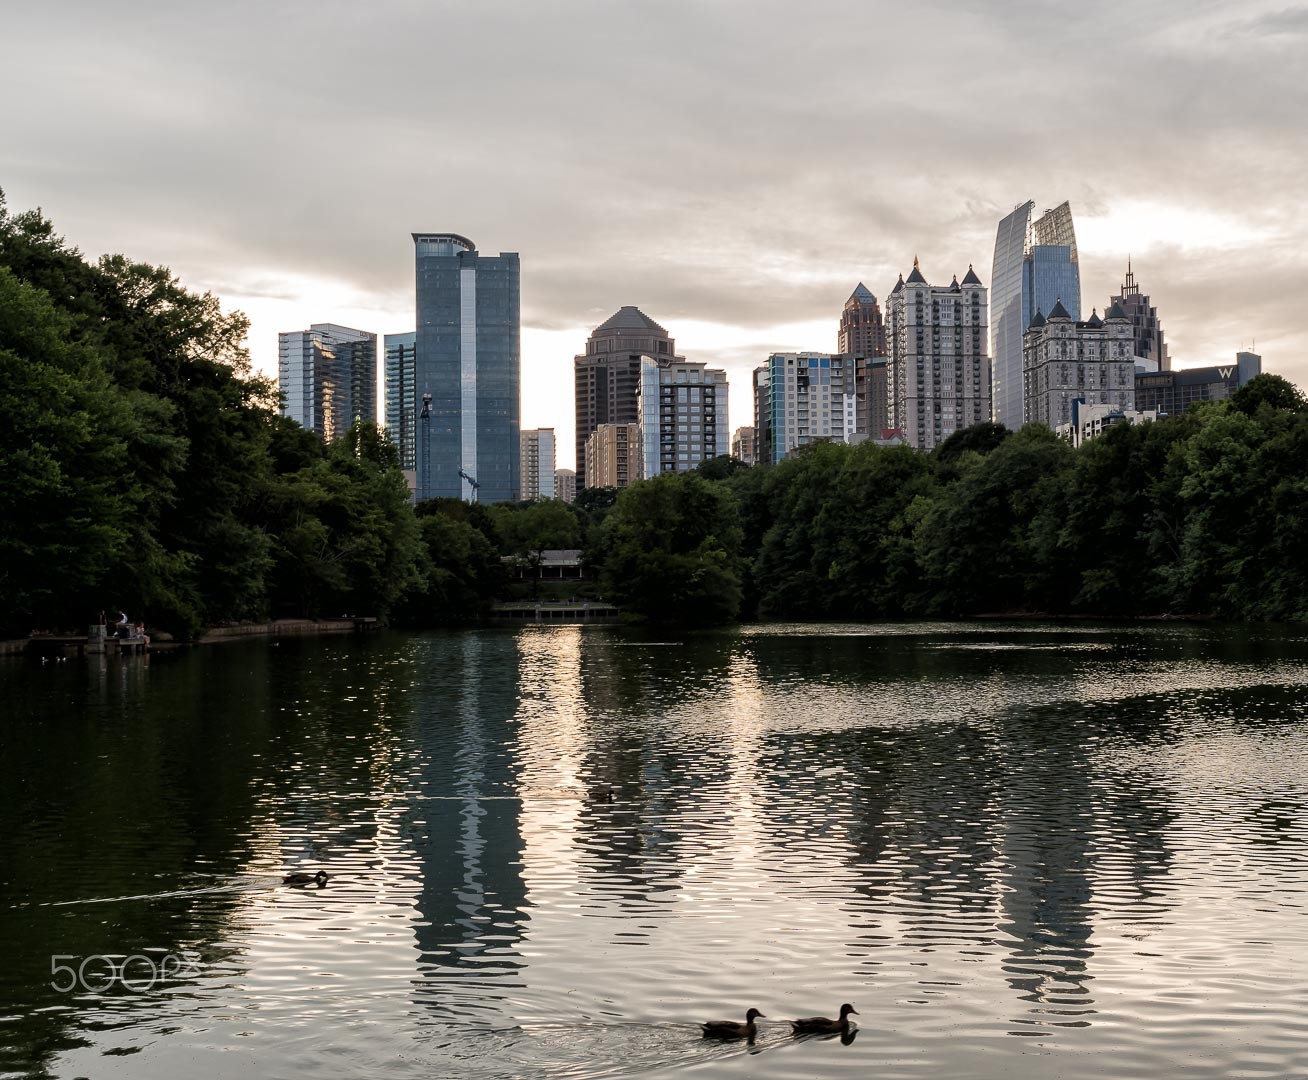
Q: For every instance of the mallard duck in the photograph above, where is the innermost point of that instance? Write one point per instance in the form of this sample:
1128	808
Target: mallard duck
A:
300	878
821	1025
731	1029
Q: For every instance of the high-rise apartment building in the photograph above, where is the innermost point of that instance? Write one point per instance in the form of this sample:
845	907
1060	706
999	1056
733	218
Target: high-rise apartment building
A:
762	414
683	415
743	447
1035	266
467	370
871	397
565	485
613	455
939	373
402	397
1173	392
810	399
607	374
862	330
1068	361
537	465
328	377
1148	331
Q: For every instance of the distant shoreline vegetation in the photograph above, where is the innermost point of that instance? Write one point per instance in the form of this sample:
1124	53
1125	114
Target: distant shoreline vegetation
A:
146	468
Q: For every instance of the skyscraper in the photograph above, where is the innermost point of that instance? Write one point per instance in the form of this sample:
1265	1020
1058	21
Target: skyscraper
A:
1148	331
939	376
613	455
402	397
862	331
810	399
565	484
328	377
607	375
537	468
1035	266
1067	360
683	415
467	370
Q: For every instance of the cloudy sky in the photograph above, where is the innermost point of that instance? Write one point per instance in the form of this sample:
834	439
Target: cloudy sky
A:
732	168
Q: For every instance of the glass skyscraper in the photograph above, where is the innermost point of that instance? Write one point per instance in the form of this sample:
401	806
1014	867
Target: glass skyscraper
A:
467	370
402	396
1035	266
328	377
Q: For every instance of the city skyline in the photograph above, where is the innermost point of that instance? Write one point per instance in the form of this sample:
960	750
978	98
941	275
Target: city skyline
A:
737	257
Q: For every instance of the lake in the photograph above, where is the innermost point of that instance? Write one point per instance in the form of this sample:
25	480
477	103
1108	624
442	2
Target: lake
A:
1019	850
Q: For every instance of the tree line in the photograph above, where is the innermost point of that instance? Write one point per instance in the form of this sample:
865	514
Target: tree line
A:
146	467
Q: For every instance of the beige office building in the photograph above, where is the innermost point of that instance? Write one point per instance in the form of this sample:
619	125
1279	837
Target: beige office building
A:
613	455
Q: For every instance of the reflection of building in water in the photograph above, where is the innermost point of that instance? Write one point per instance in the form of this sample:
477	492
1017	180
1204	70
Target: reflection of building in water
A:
1047	829
465	816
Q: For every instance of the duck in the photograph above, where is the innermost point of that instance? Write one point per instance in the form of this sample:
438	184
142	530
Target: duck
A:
821	1025
301	878
731	1029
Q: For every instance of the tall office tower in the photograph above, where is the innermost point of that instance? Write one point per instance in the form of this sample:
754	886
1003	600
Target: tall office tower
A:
402	397
762	415
871	402
1173	392
613	455
1148	331
683	415
1035	266
565	485
328	377
1069	361
939	377
467	370
607	374
809	397
537	467
862	332
743	447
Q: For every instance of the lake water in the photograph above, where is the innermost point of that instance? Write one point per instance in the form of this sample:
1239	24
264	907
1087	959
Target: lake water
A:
1018	850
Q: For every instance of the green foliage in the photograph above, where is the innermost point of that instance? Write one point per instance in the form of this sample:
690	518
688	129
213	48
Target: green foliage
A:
672	551
979	438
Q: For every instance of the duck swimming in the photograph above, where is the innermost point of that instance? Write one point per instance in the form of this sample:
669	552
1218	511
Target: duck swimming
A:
731	1029
300	878
821	1025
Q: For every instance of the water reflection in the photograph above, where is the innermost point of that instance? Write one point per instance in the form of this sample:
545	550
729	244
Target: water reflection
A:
554	850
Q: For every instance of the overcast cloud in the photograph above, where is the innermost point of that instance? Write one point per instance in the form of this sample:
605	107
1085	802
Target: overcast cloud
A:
734	169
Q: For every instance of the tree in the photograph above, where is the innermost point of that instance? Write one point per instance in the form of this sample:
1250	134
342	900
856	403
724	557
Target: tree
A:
1270	391
979	438
673	551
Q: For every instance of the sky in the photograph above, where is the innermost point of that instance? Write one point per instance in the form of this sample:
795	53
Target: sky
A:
733	169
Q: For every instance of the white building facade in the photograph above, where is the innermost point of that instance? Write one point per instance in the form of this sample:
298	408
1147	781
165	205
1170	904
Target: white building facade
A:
683	415
810	398
537	465
939	378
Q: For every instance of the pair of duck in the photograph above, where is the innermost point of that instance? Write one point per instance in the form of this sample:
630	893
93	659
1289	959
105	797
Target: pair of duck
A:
809	1025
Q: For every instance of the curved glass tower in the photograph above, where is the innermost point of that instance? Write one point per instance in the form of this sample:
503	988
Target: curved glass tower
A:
1035	267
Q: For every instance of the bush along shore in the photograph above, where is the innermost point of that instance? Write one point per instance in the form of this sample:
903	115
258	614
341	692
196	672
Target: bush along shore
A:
146	468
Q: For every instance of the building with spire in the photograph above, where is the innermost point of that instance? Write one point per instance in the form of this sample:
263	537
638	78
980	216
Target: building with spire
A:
862	330
1035	265
938	378
1147	330
607	375
1067	361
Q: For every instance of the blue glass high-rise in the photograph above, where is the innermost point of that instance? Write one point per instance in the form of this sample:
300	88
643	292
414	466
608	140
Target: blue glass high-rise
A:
468	359
1035	265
